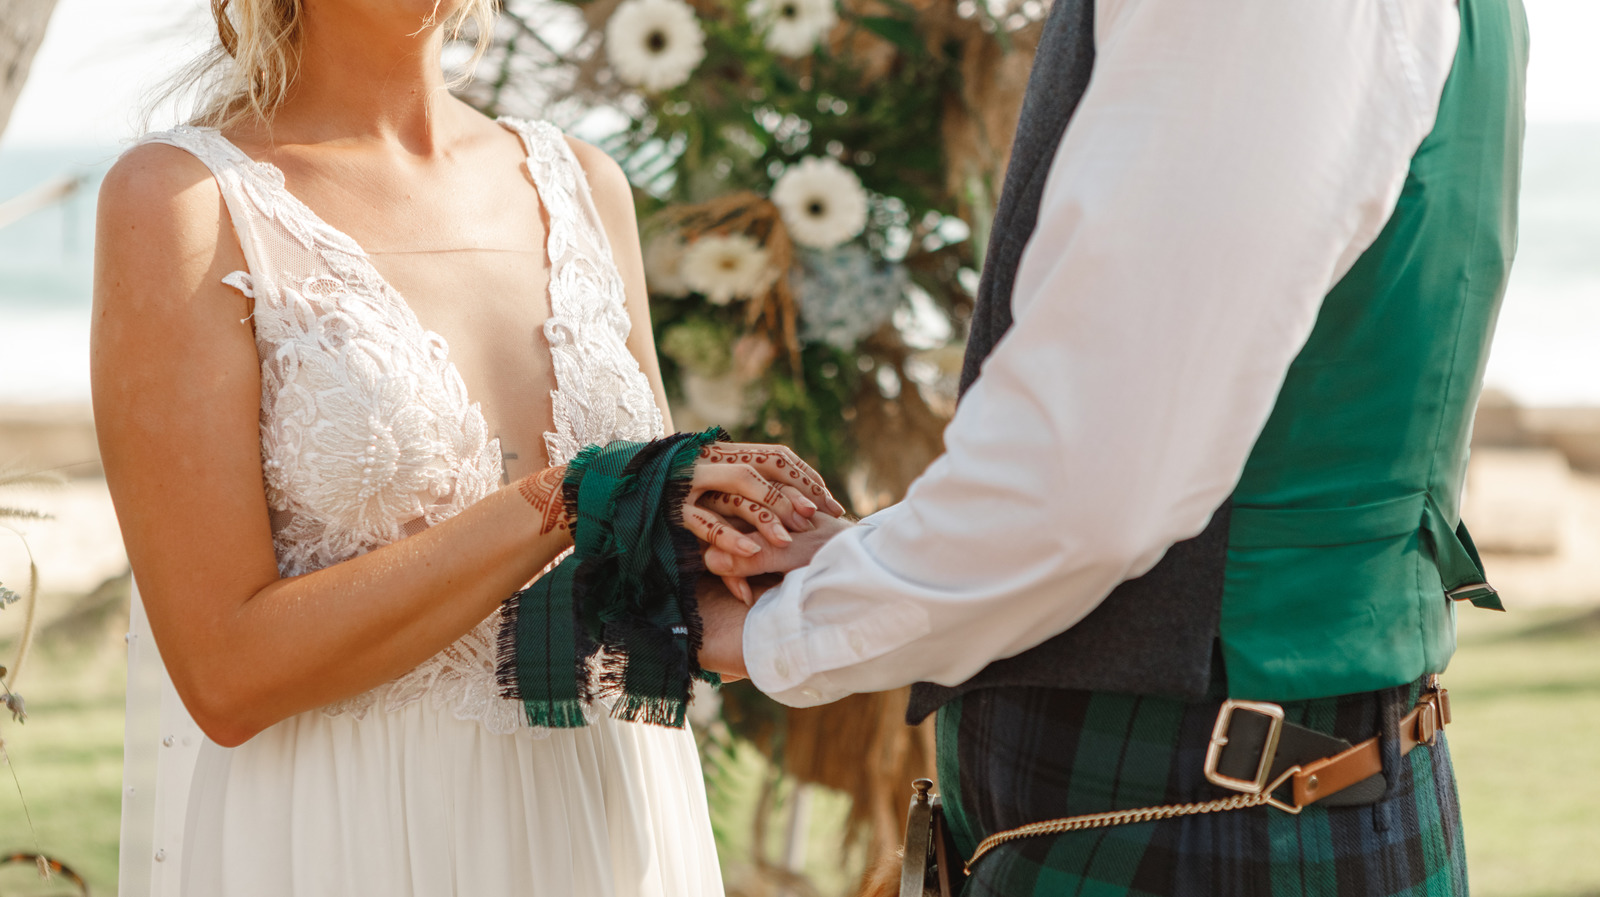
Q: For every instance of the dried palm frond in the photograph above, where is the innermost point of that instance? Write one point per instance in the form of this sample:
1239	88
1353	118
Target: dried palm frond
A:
981	120
862	746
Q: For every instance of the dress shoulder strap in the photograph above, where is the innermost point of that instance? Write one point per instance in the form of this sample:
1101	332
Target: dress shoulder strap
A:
223	160
577	235
279	235
601	393
205	144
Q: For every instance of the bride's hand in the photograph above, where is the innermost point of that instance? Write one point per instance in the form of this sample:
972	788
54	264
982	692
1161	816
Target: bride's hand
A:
765	487
777	464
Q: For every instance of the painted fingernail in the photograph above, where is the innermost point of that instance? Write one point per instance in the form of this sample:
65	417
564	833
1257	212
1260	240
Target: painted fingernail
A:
745	594
805	504
782	535
749	546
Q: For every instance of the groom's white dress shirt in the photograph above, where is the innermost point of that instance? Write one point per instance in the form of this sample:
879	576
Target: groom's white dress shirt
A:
1228	163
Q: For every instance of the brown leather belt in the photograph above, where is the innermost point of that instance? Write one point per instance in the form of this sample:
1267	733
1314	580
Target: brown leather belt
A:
1257	753
1253	749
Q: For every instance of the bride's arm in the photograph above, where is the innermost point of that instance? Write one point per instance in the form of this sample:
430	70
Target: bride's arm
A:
177	393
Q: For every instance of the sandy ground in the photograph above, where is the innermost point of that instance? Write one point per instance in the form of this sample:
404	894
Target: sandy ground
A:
1537	523
76	550
58	437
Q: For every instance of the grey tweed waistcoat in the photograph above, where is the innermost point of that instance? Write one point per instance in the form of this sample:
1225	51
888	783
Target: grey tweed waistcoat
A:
1154	634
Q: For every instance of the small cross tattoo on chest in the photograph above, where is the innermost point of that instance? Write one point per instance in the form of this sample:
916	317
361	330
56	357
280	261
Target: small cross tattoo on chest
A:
505	469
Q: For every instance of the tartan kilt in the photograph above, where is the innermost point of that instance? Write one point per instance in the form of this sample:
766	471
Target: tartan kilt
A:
1015	755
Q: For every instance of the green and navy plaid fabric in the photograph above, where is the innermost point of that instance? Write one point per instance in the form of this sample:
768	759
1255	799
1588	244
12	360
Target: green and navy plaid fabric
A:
625	595
1011	756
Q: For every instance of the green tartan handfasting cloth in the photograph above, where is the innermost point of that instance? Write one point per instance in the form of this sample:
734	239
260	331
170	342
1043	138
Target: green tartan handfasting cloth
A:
624	596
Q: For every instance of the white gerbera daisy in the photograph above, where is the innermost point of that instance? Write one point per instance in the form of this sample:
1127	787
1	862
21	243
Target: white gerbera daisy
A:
822	202
722	401
793	27
654	44
725	268
663	265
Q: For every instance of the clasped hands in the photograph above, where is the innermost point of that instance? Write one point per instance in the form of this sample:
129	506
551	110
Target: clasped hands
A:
757	510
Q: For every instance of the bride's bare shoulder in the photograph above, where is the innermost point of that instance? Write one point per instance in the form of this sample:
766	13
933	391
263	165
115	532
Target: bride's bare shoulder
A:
161	193
594	160
157	173
163	242
613	195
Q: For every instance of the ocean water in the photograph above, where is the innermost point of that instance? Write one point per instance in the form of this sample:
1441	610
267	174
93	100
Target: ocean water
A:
46	274
1547	346
1547	349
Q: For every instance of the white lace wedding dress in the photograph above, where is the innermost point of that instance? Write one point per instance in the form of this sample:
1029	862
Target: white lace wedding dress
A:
432	784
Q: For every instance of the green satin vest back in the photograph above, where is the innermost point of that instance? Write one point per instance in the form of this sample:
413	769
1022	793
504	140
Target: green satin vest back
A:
1345	537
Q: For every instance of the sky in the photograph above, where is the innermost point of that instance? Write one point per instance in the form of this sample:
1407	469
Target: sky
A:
99	60
101	57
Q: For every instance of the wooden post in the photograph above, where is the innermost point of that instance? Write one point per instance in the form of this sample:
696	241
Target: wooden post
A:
22	24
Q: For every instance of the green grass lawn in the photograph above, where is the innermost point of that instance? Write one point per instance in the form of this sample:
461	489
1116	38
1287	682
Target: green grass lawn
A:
1525	691
68	759
1526	741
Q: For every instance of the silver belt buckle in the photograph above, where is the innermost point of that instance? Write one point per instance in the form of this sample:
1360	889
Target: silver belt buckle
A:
1219	740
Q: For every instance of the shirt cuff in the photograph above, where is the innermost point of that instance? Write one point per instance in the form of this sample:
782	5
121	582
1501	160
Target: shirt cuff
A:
775	649
823	632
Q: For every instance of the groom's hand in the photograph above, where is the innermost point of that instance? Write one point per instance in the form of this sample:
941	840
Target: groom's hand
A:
722	628
778	558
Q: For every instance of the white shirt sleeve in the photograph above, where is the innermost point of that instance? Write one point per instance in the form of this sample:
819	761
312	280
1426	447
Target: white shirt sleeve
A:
1228	163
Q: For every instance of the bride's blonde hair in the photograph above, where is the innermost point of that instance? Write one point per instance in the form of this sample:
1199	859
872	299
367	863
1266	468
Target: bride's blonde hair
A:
248	71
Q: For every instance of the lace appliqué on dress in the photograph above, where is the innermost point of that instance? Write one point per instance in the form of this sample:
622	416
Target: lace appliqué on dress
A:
601	394
367	432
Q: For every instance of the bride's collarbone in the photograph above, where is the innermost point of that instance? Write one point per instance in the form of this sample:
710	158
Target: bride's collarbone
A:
478	198
463	243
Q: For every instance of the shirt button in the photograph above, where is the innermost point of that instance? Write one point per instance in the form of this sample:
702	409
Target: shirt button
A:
857	643
781	667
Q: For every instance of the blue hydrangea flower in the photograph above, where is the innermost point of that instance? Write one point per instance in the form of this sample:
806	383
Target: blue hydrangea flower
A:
845	294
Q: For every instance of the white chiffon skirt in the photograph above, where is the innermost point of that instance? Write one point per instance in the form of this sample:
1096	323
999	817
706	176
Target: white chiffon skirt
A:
416	803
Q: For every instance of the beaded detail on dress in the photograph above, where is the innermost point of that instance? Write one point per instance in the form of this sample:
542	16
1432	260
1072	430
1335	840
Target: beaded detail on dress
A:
367	432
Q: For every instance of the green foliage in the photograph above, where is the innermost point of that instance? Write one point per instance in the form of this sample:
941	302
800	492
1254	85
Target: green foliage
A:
875	95
748	113
68	759
812	413
700	344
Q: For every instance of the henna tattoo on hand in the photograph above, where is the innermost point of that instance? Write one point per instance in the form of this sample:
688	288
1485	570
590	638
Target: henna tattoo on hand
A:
797	471
543	491
774	493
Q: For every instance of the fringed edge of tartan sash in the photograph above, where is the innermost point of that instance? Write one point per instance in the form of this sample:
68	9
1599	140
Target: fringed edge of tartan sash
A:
620	642
691	563
515	626
624	635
